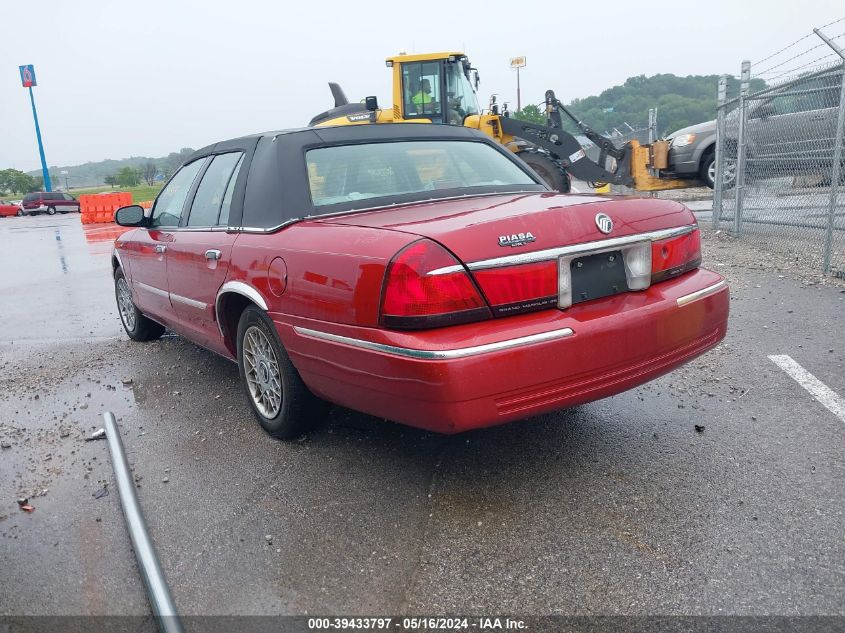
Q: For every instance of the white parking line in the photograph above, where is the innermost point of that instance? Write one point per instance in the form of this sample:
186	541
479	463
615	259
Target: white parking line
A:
820	391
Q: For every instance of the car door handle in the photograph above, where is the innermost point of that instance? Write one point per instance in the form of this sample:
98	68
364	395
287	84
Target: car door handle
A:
213	254
160	248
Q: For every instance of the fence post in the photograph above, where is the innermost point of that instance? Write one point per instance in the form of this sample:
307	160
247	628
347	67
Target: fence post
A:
739	179
836	172
720	150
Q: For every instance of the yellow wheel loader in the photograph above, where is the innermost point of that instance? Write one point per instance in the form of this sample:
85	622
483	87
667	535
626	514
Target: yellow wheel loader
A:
441	88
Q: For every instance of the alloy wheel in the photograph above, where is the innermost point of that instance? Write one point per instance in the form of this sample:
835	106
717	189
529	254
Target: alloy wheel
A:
729	171
125	305
263	377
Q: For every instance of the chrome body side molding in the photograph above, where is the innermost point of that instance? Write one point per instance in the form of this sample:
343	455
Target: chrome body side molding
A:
241	288
448	354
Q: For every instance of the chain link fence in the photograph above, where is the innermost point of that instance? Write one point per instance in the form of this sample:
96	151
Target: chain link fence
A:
780	171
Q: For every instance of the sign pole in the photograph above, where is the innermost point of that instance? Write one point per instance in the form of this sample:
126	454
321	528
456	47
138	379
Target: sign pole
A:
28	81
517	63
48	186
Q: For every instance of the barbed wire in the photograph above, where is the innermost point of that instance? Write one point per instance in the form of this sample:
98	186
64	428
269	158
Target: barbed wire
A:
800	39
786	61
819	61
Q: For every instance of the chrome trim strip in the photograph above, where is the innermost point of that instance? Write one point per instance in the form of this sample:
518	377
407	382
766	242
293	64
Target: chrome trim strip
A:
457	268
447	354
237	287
577	249
188	301
152	289
272	229
116	255
700	294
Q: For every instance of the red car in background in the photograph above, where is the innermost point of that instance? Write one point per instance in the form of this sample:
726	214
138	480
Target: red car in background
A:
419	273
7	209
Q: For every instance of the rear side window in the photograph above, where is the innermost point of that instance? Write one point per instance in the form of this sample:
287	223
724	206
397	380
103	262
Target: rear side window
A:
53	196
206	209
30	197
168	206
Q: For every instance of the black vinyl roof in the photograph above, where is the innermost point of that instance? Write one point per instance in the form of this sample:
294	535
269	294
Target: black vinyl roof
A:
277	190
346	133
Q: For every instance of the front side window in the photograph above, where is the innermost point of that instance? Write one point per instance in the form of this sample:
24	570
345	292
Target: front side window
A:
460	96
208	201
67	196
168	206
421	83
351	173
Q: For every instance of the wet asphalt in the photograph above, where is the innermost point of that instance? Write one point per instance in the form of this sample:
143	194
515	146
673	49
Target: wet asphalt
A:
616	507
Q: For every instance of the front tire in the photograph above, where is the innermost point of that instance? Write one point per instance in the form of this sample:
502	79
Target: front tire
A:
708	169
548	170
284	406
51	211
137	326
20	213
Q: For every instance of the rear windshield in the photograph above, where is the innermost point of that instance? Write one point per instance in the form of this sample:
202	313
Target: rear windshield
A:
340	176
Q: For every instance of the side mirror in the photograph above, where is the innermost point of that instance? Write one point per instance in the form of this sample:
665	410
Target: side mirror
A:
371	103
132	215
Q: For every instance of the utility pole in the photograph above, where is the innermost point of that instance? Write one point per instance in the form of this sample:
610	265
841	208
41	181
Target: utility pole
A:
28	81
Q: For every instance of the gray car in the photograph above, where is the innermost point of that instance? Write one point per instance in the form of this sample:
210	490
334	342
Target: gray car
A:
692	152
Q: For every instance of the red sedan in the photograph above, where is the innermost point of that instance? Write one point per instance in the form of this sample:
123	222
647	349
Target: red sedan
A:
8	209
419	273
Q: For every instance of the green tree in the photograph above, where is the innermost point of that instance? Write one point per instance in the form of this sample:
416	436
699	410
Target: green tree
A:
15	181
111	180
149	170
127	177
531	114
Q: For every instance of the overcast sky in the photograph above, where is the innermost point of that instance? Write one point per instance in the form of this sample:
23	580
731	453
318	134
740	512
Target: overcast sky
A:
118	79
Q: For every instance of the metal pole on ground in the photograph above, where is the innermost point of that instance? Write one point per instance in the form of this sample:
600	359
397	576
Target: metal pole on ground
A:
157	590
739	179
718	184
836	171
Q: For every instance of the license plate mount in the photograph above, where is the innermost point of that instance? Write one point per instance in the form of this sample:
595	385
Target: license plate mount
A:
597	276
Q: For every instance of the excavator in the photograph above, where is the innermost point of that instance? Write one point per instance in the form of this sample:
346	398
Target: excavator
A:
441	88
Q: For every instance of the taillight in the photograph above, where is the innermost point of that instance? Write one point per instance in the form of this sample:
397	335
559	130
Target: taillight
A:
425	286
521	288
675	255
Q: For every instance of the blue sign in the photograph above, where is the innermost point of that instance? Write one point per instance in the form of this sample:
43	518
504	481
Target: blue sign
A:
28	76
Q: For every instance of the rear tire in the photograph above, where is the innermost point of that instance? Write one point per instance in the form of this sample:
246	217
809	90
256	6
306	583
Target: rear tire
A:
284	406
548	170
137	326
51	211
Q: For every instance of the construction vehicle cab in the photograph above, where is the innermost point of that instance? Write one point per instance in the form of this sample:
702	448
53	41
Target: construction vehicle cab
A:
438	87
441	88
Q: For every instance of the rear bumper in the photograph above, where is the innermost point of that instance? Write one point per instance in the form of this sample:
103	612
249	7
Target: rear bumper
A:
483	374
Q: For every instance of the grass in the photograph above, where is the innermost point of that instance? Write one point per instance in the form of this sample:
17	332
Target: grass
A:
140	193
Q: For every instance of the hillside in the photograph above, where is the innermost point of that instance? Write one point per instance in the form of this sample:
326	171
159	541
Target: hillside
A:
94	173
680	101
